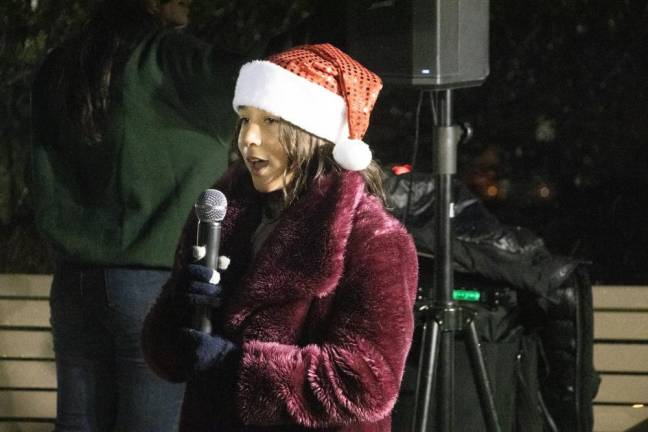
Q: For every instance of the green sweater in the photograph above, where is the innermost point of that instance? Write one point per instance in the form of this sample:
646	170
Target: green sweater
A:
124	202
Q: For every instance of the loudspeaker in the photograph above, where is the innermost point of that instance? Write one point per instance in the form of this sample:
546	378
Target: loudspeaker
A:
439	44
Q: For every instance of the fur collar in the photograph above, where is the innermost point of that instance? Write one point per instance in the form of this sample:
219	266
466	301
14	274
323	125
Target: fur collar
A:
303	256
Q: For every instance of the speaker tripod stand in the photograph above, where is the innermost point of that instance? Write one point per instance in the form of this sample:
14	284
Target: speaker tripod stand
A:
443	317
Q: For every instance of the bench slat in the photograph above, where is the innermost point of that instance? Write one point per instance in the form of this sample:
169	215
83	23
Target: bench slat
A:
27	404
25	285
623	388
27	374
621	325
621	297
24	313
617	418
621	357
26	344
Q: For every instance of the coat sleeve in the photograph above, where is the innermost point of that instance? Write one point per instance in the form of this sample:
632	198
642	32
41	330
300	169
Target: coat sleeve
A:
161	343
353	375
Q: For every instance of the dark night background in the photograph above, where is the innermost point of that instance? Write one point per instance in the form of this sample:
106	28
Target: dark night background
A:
561	123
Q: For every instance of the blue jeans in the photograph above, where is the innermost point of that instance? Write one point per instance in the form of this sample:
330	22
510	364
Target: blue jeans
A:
104	384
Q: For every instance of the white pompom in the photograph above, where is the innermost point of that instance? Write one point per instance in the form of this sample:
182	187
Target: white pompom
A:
223	262
352	154
215	278
198	252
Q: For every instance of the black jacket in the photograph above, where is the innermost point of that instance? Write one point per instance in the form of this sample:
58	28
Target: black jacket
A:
551	294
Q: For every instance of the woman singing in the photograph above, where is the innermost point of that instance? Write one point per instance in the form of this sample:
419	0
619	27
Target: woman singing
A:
313	319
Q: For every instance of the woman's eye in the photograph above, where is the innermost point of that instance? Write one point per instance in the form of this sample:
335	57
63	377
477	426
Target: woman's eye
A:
271	120
244	120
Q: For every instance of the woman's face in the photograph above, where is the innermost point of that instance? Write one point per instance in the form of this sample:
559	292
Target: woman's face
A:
262	152
174	13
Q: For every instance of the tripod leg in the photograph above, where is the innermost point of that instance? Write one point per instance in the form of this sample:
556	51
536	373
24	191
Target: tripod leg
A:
483	384
426	374
446	378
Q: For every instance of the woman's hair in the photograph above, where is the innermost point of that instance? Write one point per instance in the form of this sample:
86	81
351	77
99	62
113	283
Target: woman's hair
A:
310	157
81	80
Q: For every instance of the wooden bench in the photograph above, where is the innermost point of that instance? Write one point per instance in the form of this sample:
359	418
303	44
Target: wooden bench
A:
621	356
28	378
27	370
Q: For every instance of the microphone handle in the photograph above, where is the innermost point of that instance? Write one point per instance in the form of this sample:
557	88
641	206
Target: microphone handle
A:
208	236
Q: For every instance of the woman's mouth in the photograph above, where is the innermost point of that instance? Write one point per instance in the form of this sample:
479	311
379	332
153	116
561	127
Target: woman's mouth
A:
256	165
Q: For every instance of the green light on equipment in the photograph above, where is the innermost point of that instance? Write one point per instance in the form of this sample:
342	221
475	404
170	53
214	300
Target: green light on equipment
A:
466	295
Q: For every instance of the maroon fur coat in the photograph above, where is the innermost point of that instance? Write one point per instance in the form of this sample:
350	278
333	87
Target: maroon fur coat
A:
323	314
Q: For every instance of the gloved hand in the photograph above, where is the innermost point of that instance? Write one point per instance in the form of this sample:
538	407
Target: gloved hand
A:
200	289
202	351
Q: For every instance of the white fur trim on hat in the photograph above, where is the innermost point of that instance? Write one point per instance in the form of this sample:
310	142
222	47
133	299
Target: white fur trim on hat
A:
265	85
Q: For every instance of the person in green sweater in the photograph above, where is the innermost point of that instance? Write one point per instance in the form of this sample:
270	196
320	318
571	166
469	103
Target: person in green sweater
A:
132	120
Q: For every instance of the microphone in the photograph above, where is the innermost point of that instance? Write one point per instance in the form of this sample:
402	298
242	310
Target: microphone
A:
210	208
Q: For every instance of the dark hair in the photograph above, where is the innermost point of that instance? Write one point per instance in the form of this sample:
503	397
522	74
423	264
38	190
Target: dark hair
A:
82	79
310	157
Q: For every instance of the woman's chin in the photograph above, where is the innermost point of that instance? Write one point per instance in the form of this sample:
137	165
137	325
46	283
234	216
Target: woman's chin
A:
266	187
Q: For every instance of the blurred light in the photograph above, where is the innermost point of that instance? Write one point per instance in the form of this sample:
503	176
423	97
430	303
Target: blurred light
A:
492	191
638	406
545	129
544	192
401	169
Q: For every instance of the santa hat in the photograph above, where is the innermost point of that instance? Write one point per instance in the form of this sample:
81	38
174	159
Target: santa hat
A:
319	89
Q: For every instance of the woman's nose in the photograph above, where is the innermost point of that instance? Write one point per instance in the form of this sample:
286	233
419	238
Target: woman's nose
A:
251	134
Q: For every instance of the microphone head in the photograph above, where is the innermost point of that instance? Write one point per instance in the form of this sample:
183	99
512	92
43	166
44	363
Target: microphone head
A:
211	206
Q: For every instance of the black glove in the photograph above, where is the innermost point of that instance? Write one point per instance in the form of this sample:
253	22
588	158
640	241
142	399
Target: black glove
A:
203	351
200	289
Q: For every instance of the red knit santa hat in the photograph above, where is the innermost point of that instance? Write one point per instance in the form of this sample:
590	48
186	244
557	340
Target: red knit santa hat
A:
319	89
